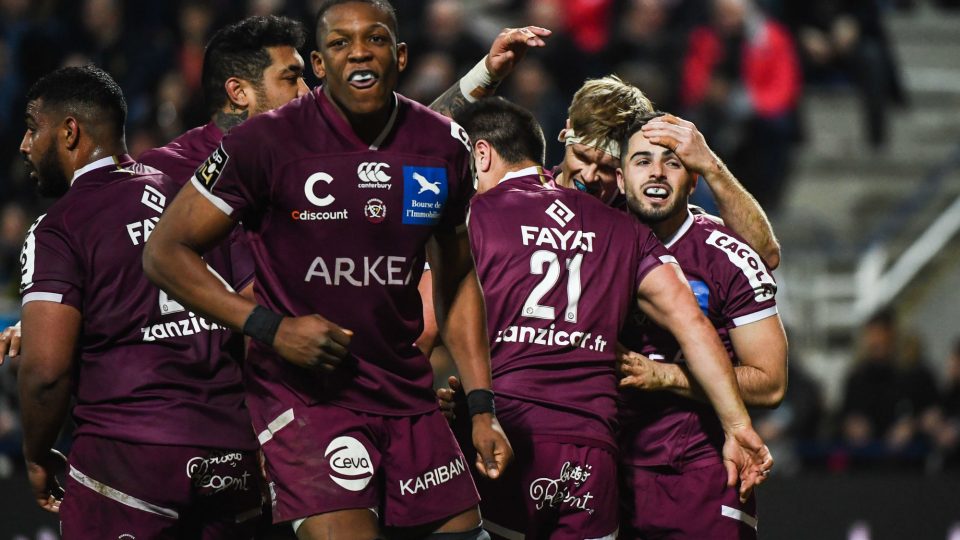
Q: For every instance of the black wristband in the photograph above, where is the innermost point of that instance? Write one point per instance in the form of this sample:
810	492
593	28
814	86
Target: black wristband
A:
262	325
480	401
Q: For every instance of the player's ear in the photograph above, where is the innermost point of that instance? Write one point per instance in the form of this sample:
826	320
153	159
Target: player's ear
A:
236	90
620	181
316	61
70	130
484	155
401	56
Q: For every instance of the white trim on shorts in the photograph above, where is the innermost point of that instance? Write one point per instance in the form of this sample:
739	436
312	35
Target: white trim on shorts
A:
611	536
276	425
738	515
298	522
120	496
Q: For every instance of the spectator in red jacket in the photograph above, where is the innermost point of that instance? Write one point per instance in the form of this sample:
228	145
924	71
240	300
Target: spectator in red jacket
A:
741	82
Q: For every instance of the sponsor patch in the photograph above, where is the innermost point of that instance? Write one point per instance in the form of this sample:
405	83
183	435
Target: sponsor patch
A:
460	134
373	175
749	263
702	294
210	170
424	195
350	464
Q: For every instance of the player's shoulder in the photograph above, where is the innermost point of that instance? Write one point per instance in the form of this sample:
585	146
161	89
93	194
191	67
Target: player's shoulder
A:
725	248
433	130
188	146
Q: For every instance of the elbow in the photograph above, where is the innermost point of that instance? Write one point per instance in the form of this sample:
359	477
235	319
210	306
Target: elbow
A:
772	398
771	255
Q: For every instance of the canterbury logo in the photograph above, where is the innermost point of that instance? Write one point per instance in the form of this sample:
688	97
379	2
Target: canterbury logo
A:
373	173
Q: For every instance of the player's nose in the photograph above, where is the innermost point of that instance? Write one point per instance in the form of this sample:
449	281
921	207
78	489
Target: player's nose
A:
25	144
302	88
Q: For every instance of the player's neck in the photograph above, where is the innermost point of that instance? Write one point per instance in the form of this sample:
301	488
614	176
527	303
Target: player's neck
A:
93	151
367	127
667	228
230	117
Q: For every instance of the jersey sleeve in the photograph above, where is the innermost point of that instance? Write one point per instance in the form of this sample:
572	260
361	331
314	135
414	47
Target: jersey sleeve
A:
50	269
749	284
234	177
241	259
651	253
461	189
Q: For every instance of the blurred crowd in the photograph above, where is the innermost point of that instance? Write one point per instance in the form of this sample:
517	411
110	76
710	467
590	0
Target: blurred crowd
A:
737	68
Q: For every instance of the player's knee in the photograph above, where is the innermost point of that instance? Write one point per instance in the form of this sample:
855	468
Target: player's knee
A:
472	534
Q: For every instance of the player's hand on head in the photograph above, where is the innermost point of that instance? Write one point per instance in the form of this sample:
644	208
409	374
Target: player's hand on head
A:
312	342
509	47
10	342
747	459
44	484
494	452
684	139
446	398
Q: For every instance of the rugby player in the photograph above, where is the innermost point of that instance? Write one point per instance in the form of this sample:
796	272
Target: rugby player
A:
600	111
338	256
671	441
554	307
163	446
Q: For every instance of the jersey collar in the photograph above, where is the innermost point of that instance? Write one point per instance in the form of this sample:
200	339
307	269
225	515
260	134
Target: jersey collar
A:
102	162
529	171
687	223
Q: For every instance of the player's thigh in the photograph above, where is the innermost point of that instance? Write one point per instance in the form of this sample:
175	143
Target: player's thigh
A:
566	490
122	490
691	505
426	476
322	459
358	524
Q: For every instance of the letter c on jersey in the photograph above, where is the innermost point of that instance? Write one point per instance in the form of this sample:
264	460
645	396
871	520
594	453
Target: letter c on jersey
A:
311	195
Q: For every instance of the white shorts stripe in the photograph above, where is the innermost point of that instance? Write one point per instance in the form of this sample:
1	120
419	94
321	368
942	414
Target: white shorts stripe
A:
500	530
44	296
738	515
120	496
754	317
276	425
216	201
611	536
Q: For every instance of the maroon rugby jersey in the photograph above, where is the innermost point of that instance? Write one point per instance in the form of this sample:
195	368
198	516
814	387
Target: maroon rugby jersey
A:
338	228
733	287
179	159
149	371
559	271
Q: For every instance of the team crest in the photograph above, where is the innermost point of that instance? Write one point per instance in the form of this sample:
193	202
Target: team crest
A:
375	211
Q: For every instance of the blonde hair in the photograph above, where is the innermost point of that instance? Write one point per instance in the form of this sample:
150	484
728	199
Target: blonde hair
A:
603	109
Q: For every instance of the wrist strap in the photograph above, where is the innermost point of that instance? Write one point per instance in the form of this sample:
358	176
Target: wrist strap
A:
478	82
262	325
480	401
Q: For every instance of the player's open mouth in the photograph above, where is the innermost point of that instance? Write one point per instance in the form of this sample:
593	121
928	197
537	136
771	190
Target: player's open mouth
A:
363	79
656	192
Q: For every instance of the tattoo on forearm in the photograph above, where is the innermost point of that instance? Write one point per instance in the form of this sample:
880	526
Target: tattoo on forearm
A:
450	102
229	120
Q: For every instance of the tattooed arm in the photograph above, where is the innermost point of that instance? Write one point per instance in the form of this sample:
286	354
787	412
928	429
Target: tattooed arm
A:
507	49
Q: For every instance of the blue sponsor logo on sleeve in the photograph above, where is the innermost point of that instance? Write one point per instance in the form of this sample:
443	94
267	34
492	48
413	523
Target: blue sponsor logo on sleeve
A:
424	194
702	293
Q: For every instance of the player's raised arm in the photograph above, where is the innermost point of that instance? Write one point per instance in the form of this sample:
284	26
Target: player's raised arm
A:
507	49
462	320
738	208
666	298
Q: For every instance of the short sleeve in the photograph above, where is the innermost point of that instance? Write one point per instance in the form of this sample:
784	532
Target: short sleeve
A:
651	253
749	284
241	259
458	199
234	177
49	267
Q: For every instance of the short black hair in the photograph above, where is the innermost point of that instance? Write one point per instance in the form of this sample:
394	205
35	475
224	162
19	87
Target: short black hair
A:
87	91
325	6
240	50
634	126
512	130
